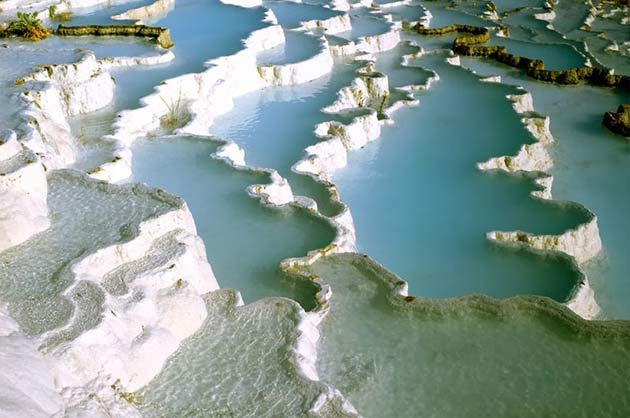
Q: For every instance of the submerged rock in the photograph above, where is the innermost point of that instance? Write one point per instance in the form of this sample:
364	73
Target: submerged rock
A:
619	121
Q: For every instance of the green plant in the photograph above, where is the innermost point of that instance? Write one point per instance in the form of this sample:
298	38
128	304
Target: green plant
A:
60	17
175	115
29	26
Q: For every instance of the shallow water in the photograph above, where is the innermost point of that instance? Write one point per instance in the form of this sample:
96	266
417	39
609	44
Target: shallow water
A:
555	56
461	358
85	215
443	17
290	14
245	242
434	234
419	205
259	124
192	49
238	364
298	47
592	167
363	25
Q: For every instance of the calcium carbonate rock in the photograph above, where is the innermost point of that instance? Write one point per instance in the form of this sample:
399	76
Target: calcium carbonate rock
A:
27	384
330	26
370	90
82	87
301	72
232	154
154	285
155	9
582	243
531	157
276	193
23	194
368	44
58	91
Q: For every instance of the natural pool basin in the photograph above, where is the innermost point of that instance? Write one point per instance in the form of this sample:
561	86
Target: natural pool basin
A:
422	208
245	242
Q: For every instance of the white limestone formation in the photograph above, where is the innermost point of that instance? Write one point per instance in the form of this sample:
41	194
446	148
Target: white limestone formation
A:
54	93
23	194
369	90
277	193
331	26
531	157
27	384
136	335
368	44
150	11
301	72
582	243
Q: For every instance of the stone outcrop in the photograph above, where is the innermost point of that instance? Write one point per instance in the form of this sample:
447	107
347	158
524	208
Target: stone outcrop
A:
161	35
23	192
619	121
469	44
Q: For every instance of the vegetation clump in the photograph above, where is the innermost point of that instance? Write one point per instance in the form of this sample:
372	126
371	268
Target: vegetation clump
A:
58	16
28	26
175	114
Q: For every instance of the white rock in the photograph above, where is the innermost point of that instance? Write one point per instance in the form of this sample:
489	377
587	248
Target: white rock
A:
155	9
27	383
23	195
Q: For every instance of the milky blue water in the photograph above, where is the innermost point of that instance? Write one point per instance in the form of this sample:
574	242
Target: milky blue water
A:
592	167
363	25
555	56
290	15
463	358
298	46
434	235
193	47
420	207
261	126
244	241
442	17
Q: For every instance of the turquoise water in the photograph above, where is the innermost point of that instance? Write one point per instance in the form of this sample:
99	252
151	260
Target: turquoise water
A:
238	364
434	236
591	167
259	124
363	25
555	56
410	14
442	17
298	47
290	15
245	242
193	47
390	63
420	207
465	358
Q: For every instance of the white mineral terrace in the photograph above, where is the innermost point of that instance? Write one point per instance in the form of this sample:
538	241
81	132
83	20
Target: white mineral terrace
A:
144	271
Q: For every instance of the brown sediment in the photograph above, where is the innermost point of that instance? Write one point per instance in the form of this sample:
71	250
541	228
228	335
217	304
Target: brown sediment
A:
161	35
619	121
469	45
